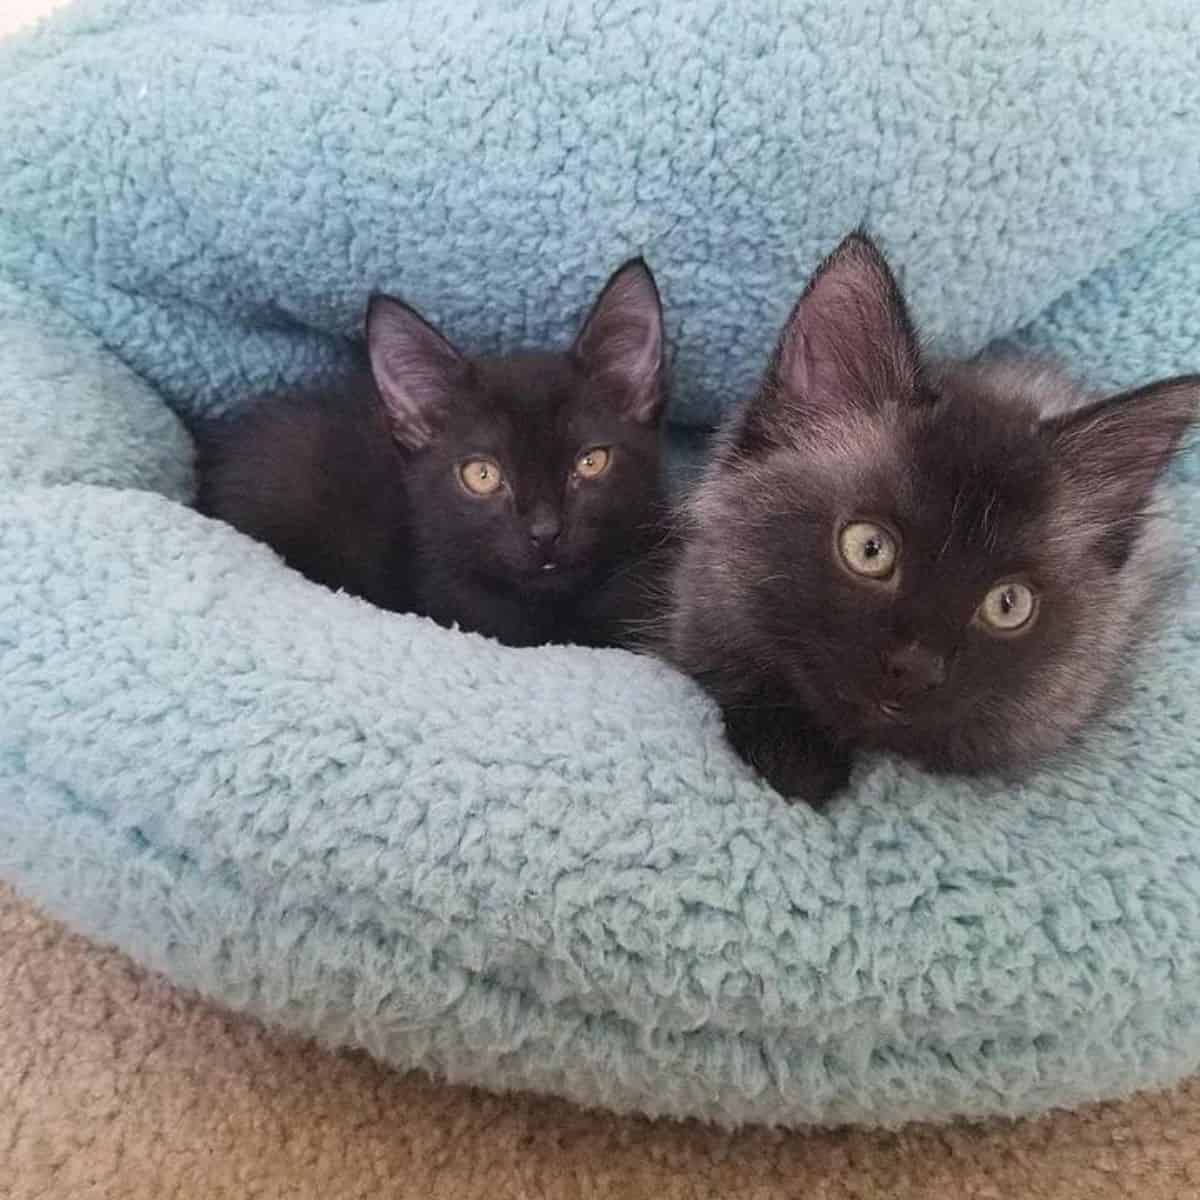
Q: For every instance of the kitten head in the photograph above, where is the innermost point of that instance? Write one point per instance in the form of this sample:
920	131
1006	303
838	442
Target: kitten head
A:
947	561
532	471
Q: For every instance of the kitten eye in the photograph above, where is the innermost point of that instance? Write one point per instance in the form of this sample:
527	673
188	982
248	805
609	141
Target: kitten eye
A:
591	464
1007	607
868	549
481	476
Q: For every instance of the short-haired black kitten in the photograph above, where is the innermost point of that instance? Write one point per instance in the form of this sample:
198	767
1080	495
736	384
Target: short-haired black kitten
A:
946	560
515	496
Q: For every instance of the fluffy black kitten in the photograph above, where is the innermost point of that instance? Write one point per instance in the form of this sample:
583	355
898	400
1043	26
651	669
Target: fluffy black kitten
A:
944	560
518	496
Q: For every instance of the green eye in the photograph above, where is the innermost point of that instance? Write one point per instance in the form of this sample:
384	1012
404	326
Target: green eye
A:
868	549
1008	607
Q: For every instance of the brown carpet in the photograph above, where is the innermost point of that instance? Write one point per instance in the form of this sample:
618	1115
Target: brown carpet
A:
113	1086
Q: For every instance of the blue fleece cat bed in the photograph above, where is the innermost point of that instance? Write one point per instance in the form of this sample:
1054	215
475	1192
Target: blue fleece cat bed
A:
544	869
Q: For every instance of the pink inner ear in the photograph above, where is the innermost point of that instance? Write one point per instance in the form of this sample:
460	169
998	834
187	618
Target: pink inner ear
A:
1117	449
621	342
414	367
849	342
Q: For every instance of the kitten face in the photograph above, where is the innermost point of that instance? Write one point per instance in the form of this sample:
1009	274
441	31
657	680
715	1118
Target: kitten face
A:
963	492
533	472
535	480
946	561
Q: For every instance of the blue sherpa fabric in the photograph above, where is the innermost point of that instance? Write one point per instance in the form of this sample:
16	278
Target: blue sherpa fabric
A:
544	868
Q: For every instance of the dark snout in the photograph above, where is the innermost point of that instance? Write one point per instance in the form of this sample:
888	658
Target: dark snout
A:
912	670
543	525
544	528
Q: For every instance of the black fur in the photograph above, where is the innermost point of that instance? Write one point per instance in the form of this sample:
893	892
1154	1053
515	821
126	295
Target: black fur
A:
360	488
984	473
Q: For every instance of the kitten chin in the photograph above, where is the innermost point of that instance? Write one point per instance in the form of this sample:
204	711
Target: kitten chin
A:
950	561
515	496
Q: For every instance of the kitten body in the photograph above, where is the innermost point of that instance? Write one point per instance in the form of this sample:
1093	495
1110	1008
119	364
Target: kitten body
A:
990	484
368	487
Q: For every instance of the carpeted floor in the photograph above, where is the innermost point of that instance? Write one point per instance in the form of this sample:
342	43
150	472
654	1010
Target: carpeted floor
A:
113	1086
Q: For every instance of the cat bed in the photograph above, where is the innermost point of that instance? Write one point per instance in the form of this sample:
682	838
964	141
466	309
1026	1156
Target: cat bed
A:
543	868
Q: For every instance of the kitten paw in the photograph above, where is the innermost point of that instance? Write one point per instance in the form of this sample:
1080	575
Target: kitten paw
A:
815	782
795	760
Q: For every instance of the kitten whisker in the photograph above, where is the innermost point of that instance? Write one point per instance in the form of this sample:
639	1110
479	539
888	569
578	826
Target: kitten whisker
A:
952	524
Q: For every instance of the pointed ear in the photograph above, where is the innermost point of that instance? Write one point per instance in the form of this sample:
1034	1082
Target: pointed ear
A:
848	345
621	342
1115	450
415	370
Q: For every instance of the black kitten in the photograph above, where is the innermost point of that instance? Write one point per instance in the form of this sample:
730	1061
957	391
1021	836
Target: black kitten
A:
516	496
944	560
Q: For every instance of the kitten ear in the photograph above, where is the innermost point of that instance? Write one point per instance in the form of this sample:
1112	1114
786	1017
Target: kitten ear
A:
414	367
621	342
849	343
1116	449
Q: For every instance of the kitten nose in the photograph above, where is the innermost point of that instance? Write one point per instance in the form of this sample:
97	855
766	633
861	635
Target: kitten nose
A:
913	668
544	528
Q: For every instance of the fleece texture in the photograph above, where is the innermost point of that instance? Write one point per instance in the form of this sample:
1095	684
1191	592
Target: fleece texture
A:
544	869
119	1087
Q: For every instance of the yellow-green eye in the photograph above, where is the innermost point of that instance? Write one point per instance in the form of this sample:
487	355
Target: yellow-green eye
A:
1008	607
481	476
591	464
868	549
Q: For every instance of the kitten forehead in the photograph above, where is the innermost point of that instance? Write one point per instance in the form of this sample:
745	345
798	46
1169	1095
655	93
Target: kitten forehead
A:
965	484
949	444
975	448
534	384
517	405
